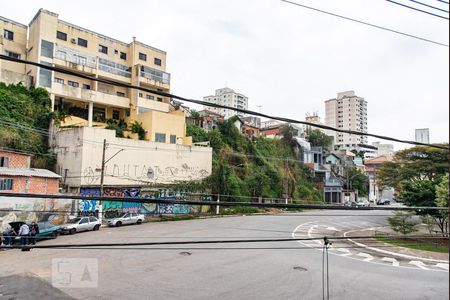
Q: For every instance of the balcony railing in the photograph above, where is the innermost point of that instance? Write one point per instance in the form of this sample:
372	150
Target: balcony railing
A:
114	68
75	57
155	75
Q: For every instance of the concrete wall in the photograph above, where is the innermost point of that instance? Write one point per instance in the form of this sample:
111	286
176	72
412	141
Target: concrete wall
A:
79	151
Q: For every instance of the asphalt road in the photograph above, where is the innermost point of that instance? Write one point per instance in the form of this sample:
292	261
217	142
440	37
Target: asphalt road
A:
187	272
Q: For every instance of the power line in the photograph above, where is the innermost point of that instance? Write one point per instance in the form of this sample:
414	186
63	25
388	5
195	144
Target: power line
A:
244	111
416	9
443	1
366	23
215	203
431	6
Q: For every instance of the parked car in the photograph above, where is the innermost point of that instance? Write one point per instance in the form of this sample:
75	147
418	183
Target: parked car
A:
126	219
81	224
350	203
383	202
47	230
362	203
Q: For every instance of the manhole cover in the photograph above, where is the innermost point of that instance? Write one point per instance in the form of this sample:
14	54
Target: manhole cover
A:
185	253
298	268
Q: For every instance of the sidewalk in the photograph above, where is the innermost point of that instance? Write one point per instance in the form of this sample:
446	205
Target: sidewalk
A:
413	253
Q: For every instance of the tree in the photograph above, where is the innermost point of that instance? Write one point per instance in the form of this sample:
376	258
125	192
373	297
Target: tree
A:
198	119
403	222
355	180
197	133
415	174
318	139
136	127
442	196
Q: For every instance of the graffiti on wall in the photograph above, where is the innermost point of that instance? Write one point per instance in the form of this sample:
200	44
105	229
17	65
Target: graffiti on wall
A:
112	209
145	173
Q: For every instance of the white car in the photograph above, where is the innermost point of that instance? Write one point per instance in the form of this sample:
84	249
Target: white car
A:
362	203
81	224
126	219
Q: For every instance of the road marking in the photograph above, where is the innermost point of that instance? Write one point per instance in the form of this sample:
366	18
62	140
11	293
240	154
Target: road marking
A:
367	256
332	228
442	266
345	252
394	262
419	264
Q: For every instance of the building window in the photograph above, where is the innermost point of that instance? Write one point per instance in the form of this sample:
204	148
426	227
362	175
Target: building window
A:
9	35
45	76
173	139
61	35
115	114
157	61
150	97
73	83
103	49
6	184
59	80
159	99
160	137
141	95
82	42
123	55
120	94
4	161
86	86
12	54
142	56
99	114
46	49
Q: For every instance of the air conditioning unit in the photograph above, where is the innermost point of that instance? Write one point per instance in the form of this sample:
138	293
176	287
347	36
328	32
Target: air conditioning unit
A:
73	41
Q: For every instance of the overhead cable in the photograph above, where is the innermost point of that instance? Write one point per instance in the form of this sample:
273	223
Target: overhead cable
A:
366	23
430	6
419	10
244	111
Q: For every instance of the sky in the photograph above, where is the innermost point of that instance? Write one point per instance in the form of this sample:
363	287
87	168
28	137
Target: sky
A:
288	60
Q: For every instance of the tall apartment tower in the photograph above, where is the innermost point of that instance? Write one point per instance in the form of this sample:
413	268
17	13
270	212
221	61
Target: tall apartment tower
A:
347	111
423	135
227	97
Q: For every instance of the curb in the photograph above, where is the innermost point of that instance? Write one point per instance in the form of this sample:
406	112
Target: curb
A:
389	252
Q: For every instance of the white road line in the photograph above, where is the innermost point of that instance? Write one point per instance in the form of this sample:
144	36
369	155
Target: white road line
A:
345	252
442	266
331	228
367	256
419	264
394	262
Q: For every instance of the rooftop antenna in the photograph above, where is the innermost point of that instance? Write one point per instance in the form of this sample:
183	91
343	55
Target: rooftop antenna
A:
259	108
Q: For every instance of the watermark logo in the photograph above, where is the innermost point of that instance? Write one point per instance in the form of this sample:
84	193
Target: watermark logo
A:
75	272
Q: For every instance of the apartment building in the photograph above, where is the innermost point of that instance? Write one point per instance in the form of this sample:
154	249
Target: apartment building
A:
227	97
58	43
347	111
422	135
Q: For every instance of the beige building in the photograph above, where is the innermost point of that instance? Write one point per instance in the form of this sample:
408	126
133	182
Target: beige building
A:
58	43
129	162
347	111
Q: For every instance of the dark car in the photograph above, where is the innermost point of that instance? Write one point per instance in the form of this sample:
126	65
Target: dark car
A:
47	230
383	202
13	240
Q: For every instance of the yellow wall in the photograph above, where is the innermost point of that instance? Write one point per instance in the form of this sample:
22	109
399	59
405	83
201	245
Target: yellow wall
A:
167	123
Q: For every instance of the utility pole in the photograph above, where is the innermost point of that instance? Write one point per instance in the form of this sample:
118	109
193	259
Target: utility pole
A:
286	183
102	176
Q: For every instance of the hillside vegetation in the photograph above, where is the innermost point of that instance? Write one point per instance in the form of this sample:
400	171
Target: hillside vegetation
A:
25	116
258	167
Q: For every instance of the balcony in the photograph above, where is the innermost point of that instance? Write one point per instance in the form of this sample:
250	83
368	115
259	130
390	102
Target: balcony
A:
114	70
74	60
71	92
85	95
153	105
154	77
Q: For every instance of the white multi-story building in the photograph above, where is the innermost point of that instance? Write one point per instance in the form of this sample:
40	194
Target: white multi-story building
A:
384	149
347	111
227	97
423	135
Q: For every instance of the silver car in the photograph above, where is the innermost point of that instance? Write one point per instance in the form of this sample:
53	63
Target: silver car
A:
126	219
81	224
